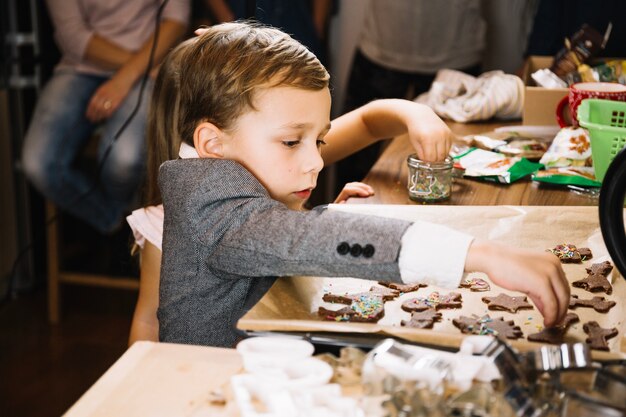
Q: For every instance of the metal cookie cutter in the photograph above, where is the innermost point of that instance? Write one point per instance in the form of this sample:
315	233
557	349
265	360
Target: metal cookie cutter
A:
558	358
517	389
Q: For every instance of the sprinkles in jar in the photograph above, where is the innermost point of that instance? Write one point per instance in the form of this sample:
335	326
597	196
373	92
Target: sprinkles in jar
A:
429	181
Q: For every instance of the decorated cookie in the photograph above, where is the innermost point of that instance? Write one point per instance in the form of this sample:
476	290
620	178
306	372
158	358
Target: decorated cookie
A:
507	302
600	304
475	284
404	288
598	336
555	334
423	320
597	279
365	307
434	300
383	293
487	326
567	253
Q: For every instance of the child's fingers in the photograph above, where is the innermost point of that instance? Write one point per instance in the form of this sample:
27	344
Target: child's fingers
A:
359	188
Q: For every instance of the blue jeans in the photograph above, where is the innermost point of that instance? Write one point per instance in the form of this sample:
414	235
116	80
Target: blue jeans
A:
59	131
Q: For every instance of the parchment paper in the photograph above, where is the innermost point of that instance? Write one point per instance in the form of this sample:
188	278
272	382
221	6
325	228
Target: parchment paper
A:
292	303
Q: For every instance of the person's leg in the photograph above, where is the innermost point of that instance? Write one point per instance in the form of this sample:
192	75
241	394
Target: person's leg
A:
122	155
55	138
368	81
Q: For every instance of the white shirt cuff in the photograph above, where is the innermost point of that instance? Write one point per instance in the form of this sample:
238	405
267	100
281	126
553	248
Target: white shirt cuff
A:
433	254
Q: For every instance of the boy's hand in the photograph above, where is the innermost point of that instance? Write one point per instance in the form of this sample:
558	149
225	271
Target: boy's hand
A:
536	274
429	135
354	189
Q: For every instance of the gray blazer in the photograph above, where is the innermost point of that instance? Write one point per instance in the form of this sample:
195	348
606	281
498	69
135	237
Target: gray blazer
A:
225	241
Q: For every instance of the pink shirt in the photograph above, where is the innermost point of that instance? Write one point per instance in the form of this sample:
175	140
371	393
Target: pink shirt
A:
127	23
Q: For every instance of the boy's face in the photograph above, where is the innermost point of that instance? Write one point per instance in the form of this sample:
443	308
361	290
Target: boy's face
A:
280	141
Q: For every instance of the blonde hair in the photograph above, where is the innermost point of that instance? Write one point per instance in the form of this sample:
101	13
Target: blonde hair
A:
163	138
221	72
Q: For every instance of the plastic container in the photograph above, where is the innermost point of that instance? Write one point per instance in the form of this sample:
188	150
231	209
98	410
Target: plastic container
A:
429	181
606	122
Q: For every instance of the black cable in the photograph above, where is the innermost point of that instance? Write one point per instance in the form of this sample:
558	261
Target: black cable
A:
52	219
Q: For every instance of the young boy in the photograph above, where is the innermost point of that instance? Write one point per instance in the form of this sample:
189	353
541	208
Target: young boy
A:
255	107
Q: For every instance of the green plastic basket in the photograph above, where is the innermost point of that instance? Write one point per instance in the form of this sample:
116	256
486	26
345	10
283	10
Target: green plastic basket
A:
606	122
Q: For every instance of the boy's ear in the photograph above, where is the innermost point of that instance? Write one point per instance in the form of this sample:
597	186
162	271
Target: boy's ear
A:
207	139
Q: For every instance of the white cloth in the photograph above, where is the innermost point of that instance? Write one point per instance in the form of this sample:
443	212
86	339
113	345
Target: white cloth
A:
147	225
464	98
423	36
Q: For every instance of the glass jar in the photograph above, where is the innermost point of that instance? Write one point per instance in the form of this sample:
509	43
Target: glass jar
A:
429	181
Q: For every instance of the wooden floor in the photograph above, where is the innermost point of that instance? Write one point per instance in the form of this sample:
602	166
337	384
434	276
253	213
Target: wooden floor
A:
44	369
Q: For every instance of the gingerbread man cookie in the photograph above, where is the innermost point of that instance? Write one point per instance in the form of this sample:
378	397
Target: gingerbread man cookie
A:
554	334
422	320
600	304
597	336
403	288
487	326
365	307
597	279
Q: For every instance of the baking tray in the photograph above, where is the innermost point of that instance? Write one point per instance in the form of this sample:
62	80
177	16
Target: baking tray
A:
291	304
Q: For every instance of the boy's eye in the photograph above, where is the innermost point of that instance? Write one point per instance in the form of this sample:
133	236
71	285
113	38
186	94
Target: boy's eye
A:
291	143
320	142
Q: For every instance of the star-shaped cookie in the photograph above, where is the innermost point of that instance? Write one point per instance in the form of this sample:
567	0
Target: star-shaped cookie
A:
434	300
507	302
487	326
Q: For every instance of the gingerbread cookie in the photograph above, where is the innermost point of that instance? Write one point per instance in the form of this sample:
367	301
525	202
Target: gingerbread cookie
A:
598	336
387	293
367	307
567	253
555	334
403	288
348	298
597	279
487	326
600	304
585	253
475	284
434	300
422	320
507	303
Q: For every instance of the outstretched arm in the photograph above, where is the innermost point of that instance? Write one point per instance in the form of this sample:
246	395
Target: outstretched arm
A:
383	119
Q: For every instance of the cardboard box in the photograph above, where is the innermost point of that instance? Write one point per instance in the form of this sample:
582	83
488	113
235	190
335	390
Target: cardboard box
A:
539	103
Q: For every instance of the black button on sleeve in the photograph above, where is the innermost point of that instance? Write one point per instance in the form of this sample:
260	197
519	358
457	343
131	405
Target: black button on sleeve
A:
368	251
356	250
343	248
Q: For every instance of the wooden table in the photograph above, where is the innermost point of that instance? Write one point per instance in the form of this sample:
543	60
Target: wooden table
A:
389	179
162	379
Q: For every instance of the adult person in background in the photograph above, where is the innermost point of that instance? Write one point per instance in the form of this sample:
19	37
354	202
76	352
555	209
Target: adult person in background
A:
304	20
403	43
105	48
557	19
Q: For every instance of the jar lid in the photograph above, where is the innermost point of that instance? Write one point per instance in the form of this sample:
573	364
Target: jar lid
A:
415	162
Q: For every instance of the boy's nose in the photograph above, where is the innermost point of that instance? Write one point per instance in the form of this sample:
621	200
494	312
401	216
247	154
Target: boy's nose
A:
314	161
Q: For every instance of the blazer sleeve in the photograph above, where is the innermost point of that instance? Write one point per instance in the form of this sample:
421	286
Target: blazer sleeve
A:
276	241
